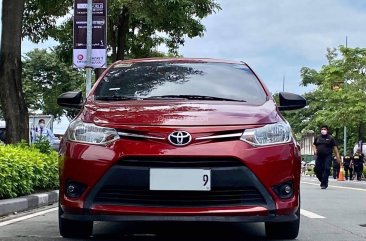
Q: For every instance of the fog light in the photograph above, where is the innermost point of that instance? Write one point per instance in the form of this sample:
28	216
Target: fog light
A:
284	190
74	189
287	189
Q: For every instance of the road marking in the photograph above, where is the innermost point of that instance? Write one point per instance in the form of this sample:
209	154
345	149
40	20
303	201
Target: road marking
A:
15	220
349	188
309	214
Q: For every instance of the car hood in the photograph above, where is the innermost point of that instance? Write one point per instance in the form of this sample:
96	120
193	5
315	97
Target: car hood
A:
172	113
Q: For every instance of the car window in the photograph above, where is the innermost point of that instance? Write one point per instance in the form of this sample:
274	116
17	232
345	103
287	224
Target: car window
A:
143	80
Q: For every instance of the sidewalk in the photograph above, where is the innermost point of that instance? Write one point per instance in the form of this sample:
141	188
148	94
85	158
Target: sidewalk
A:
20	204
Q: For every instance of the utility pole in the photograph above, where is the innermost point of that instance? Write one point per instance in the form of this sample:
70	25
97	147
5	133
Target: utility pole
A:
89	36
283	83
344	127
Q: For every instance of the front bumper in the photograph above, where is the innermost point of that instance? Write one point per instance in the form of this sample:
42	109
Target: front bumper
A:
262	168
180	218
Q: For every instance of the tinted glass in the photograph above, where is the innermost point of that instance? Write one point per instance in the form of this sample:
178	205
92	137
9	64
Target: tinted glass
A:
143	80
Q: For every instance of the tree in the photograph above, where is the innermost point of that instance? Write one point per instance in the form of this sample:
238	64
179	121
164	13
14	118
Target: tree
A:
137	27
22	18
11	95
45	77
340	95
40	17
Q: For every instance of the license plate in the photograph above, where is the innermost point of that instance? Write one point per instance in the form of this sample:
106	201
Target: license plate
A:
165	179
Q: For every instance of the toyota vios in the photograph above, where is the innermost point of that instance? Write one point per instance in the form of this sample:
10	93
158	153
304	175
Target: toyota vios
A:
179	140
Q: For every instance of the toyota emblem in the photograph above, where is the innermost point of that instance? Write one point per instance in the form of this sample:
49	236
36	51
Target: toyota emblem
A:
180	138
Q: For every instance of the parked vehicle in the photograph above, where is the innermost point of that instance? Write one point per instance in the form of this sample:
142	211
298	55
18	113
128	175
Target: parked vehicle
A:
180	140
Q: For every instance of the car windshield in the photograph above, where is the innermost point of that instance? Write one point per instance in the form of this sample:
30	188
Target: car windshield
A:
197	81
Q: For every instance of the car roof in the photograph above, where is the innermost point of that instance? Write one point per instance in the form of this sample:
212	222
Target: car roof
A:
177	60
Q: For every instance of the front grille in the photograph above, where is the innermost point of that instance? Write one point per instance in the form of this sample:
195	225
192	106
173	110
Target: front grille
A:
181	162
120	195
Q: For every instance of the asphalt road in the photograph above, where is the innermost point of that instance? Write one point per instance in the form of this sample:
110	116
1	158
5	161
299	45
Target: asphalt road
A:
336	214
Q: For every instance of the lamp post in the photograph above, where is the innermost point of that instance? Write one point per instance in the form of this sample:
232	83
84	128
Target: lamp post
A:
344	127
89	36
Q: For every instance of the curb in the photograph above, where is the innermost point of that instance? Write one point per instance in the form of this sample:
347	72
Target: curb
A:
20	204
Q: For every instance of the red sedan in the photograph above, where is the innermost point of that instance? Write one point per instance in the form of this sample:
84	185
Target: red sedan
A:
179	140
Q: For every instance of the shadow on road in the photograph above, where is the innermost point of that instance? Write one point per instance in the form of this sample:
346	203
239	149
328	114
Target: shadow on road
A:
178	232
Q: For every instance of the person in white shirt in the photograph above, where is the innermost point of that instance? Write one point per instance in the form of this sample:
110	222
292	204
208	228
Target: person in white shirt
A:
42	130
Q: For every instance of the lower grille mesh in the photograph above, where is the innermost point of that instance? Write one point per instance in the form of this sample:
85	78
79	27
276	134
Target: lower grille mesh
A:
125	196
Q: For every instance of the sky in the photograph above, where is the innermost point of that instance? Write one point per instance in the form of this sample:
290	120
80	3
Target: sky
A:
276	38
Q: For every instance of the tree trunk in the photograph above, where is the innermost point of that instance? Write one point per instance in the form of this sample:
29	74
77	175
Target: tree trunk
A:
98	72
113	39
11	94
122	33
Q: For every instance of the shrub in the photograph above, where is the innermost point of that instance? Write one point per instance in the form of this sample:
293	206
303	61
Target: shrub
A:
43	145
24	170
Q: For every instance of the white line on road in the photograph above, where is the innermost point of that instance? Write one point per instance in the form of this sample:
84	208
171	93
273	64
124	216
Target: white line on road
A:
309	214
15	220
350	188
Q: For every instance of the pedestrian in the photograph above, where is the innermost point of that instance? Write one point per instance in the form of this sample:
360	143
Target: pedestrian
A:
347	164
42	132
358	160
324	145
336	167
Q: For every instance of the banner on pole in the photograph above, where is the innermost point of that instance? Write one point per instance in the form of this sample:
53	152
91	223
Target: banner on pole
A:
99	39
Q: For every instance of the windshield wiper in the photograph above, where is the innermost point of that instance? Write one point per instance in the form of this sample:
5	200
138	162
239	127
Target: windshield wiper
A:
192	97
116	97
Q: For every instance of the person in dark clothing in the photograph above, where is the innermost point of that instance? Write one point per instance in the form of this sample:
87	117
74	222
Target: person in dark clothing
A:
336	167
324	145
358	160
347	161
2	135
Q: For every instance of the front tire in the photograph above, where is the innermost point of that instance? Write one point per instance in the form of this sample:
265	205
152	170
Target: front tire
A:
283	230
74	229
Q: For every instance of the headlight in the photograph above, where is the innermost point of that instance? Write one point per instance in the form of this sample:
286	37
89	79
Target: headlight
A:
268	135
90	133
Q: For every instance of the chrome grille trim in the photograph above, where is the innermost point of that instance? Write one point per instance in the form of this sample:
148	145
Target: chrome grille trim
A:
219	136
140	136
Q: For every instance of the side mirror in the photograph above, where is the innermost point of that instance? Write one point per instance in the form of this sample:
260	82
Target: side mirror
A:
71	99
289	101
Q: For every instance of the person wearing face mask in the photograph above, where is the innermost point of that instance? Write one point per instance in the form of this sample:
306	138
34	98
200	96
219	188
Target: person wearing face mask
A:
324	145
42	130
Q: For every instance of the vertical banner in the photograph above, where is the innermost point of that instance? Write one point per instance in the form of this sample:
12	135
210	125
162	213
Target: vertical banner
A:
99	39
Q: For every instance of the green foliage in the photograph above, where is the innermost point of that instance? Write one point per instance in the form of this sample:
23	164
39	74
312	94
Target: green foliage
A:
137	27
39	17
43	145
175	18
24	170
64	35
339	98
45	77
